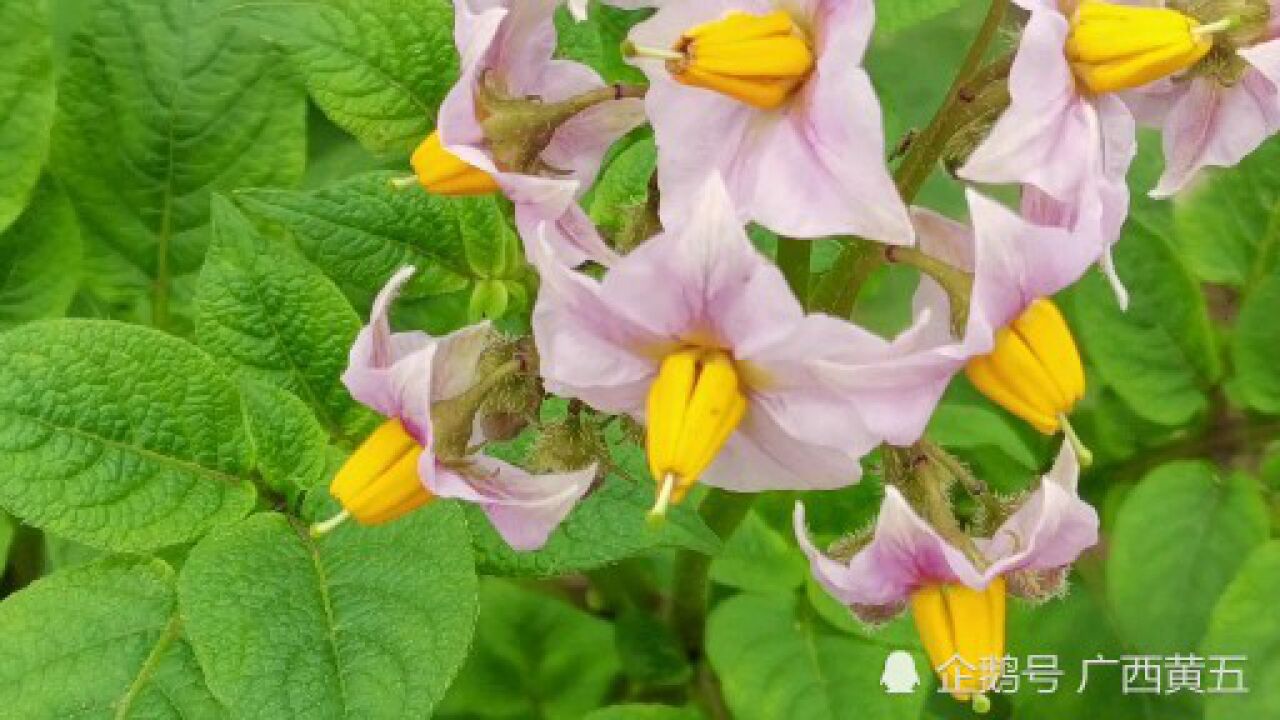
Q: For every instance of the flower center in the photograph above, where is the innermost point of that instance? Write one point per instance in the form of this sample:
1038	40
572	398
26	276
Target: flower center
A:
380	481
443	173
963	631
694	405
757	59
1116	47
1034	371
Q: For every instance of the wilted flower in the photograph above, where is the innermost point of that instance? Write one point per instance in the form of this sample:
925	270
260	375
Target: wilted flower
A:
429	390
700	334
1223	108
519	121
957	592
772	96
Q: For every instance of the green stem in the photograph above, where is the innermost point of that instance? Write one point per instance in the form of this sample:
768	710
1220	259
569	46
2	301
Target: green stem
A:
794	259
957	283
851	266
722	512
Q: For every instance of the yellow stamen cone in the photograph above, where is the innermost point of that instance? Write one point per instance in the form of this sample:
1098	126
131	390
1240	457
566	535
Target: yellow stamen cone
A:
757	59
1034	371
694	406
380	481
963	632
443	173
1116	47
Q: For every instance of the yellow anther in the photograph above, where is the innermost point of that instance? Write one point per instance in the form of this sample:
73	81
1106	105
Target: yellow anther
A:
694	406
963	632
1034	371
757	59
380	481
443	173
1119	47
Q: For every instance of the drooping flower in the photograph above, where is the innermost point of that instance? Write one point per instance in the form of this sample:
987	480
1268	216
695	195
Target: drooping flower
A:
520	121
1016	346
956	590
772	96
698	334
429	390
1223	108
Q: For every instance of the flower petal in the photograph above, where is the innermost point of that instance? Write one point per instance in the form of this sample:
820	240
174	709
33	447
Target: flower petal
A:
524	508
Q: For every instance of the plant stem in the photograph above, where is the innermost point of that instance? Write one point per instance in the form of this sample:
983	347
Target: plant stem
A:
915	169
722	512
794	259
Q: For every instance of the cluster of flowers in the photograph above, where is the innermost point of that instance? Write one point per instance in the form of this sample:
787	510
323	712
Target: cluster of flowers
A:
762	113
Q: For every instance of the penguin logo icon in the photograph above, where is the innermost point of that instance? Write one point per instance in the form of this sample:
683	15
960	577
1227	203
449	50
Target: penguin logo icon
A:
899	676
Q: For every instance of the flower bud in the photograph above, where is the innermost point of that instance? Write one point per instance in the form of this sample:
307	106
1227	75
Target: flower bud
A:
963	632
757	59
380	481
1037	586
1119	47
568	445
443	173
1034	371
694	406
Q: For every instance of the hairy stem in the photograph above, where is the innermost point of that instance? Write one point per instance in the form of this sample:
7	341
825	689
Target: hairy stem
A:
722	512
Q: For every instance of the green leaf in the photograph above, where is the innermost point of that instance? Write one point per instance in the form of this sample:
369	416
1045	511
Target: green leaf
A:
607	526
971	426
642	712
650	651
102	640
291	449
534	657
118	436
8	528
265	312
378	68
759	558
364	622
895	15
1245	623
27	96
40	259
776	659
360	232
623	186
1178	540
160	105
1254	344
597	41
1160	355
1223	221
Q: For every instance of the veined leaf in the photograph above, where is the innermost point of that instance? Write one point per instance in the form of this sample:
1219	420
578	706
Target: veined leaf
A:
1246	626
161	104
40	259
27	96
118	436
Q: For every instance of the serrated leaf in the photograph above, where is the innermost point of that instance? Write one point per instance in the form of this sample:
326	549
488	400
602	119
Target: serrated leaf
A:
364	622
160	105
360	232
535	657
27	96
1160	355
291	449
1178	540
118	436
1245	623
265	312
101	640
1223	221
776	659
40	257
1254	344
378	68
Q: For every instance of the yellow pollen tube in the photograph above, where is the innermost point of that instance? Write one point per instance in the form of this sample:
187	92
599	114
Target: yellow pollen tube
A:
963	632
380	481
757	59
694	405
443	173
1119	47
1034	371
